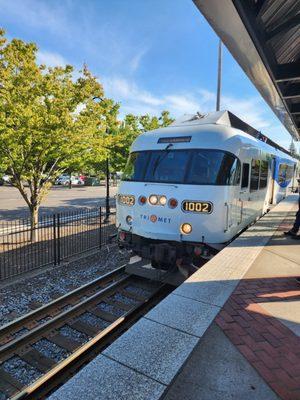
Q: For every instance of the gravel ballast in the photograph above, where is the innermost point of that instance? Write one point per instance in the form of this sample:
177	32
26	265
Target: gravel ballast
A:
17	298
137	290
73	334
123	299
93	320
20	370
50	350
110	309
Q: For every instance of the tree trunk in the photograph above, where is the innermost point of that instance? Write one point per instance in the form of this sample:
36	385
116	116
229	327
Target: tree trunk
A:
34	216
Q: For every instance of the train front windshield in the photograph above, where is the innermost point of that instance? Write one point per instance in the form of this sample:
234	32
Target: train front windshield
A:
200	167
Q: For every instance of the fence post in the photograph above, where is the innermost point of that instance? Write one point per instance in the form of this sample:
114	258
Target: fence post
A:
54	240
100	227
58	239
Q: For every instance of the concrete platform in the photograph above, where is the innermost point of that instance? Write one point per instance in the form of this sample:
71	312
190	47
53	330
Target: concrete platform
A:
227	332
216	370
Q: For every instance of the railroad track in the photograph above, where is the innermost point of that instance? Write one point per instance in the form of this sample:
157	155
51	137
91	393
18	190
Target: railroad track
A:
45	347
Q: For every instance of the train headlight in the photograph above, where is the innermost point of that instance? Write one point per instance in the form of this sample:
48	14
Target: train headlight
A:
186	228
129	219
142	200
153	199
173	203
162	200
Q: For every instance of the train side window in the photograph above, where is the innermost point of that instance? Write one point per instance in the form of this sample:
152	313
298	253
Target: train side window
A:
263	178
235	173
245	175
254	180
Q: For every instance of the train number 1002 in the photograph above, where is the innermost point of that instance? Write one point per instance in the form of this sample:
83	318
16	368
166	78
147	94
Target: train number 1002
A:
197	206
126	199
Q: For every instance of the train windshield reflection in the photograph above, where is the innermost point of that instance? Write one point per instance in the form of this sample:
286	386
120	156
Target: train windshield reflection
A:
193	166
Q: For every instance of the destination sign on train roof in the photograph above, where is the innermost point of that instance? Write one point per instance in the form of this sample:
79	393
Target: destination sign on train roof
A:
175	139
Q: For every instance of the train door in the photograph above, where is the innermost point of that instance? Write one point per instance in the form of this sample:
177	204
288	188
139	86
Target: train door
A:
234	204
244	194
271	182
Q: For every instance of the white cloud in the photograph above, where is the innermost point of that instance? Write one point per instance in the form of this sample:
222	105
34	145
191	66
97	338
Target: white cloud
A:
136	60
121	90
114	49
250	110
109	45
137	100
51	59
130	95
280	135
36	14
181	104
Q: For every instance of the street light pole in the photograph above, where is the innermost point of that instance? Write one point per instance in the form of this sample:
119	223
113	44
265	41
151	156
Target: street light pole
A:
107	206
219	76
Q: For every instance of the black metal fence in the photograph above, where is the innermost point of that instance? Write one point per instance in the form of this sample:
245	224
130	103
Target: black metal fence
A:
57	237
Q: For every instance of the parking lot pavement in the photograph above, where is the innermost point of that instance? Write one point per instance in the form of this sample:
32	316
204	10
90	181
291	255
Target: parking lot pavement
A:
12	205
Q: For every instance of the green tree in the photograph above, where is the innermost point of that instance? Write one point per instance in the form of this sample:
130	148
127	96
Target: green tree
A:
148	123
47	120
114	142
51	123
129	129
103	136
121	141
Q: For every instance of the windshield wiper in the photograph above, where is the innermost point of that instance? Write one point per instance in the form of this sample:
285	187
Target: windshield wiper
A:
159	160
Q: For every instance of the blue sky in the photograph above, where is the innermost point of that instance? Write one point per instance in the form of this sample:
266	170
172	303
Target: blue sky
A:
149	55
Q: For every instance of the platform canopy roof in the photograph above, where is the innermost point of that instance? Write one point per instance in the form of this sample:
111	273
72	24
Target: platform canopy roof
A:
264	37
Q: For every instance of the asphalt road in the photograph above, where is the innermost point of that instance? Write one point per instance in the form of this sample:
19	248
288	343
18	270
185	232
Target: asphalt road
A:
12	205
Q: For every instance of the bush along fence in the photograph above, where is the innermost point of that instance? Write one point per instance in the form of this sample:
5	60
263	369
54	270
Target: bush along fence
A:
57	237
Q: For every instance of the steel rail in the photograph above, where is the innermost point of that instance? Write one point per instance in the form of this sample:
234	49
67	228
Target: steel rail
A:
12	347
59	302
85	353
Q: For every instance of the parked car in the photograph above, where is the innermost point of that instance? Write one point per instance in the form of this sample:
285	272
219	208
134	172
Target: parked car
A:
92	181
77	180
4	179
64	180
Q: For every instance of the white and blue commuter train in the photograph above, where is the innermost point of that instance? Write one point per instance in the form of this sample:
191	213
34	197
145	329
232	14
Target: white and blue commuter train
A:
189	189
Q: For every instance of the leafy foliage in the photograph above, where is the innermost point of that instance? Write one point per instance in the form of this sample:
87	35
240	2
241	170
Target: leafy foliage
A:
129	129
46	118
51	122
